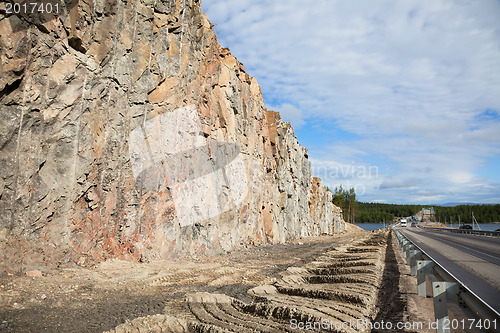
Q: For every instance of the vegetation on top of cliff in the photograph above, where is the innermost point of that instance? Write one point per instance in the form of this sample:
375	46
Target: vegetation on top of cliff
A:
346	200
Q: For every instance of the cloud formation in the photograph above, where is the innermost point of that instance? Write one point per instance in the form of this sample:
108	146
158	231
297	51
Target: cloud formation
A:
410	87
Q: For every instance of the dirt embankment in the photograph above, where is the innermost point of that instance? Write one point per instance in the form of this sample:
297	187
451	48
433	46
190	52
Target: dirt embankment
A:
334	279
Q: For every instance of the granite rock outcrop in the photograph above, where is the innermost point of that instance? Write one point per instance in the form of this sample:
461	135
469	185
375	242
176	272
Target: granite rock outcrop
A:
127	131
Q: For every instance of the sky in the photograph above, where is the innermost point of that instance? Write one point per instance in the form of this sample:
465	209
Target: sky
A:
398	99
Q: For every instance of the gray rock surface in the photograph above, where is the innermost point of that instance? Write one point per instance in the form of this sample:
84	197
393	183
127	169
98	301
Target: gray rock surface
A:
127	131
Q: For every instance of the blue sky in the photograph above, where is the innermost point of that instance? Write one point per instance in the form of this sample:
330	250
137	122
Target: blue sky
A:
399	99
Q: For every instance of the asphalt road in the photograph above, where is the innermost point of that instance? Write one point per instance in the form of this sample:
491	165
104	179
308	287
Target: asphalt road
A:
474	260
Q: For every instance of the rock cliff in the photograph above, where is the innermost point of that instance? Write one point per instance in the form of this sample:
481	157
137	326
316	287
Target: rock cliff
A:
127	131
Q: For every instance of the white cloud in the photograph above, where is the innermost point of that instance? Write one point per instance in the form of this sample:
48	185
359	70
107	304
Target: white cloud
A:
408	78
400	183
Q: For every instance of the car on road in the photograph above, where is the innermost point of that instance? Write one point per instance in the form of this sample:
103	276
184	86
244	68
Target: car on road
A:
403	223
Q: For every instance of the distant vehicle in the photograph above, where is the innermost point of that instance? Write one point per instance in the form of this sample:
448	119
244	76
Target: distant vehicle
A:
403	223
466	226
414	224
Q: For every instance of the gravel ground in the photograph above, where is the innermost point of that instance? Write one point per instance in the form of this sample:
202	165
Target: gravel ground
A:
100	298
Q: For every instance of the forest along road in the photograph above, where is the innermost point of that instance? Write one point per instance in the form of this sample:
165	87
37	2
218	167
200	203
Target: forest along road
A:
474	260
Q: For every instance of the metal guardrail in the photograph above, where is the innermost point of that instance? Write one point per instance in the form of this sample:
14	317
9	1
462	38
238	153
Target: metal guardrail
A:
446	288
467	231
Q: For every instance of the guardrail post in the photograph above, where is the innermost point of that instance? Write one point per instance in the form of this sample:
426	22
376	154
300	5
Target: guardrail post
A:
429	279
402	243
452	290
409	250
398	237
406	249
414	256
424	267
443	292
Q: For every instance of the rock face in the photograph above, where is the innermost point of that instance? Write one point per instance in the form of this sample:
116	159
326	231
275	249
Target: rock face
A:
127	131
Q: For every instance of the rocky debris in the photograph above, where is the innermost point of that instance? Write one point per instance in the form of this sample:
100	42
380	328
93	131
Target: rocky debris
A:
35	273
74	90
155	324
114	292
339	289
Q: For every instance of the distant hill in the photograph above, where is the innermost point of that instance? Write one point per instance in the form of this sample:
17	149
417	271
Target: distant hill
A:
454	204
379	212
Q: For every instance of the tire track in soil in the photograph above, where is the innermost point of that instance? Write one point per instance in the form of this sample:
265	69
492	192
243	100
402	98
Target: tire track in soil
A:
341	285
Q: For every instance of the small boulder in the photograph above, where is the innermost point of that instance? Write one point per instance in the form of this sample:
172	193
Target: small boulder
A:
34	273
81	261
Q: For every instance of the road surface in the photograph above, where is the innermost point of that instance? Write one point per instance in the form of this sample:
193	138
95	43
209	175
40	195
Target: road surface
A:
472	259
